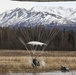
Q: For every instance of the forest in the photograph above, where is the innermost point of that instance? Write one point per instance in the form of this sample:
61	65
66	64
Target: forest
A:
56	39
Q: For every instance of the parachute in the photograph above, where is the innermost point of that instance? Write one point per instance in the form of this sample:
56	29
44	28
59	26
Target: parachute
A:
36	43
36	38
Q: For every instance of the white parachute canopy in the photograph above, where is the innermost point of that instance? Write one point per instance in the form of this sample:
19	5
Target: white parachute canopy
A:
36	43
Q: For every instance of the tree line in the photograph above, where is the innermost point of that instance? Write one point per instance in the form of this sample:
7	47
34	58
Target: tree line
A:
56	39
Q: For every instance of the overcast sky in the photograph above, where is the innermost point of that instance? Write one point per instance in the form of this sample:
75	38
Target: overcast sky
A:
8	4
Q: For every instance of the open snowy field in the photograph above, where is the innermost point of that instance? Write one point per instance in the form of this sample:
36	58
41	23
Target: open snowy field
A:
45	73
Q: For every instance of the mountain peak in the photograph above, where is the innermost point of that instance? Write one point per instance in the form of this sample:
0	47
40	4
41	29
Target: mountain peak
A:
38	16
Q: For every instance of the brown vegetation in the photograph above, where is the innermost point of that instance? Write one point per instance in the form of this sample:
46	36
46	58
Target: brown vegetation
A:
20	63
38	53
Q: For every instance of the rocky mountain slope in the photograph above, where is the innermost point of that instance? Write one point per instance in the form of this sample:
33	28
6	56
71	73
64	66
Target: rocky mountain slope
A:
45	16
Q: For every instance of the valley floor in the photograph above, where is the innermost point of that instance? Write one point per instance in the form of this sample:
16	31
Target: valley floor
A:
19	60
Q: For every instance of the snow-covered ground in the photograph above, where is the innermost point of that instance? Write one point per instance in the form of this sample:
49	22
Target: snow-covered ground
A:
45	73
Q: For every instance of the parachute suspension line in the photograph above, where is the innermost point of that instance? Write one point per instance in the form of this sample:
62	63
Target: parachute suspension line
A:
42	33
20	37
27	37
39	38
27	41
39	35
35	49
53	37
48	42
32	32
31	36
23	34
35	46
21	41
50	34
51	31
54	33
24	45
30	17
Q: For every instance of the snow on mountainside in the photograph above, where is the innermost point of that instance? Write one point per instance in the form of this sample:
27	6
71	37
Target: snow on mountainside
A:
38	16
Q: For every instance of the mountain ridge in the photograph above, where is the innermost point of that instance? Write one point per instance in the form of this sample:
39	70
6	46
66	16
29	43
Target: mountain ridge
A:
38	16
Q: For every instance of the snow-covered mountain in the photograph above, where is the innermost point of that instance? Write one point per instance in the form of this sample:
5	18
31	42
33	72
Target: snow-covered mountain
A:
38	16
